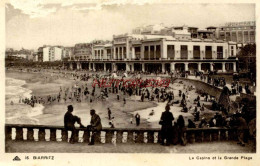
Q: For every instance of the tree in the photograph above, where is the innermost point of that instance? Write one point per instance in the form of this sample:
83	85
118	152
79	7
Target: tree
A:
247	58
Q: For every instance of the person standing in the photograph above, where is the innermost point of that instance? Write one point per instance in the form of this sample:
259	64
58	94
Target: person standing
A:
166	122
95	126
109	113
181	129
69	123
241	127
137	119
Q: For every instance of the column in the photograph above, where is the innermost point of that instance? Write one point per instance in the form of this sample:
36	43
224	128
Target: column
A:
154	51
214	52
133	53
143	67
104	55
123	56
127	67
177	51
186	66
127	49
163	67
235	50
142	51
172	66
105	67
118	50
199	66
89	66
211	66
202	51
223	67
113	67
163	49
78	65
114	53
190	51
132	68
149	49
71	66
234	67
94	67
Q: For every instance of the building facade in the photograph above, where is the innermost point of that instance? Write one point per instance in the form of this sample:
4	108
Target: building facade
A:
240	32
83	51
67	52
49	53
161	53
19	54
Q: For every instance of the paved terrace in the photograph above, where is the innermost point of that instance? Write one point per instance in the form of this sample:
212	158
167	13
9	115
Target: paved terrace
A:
64	147
37	138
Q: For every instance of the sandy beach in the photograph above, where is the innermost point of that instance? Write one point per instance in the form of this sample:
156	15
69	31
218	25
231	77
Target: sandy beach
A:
43	84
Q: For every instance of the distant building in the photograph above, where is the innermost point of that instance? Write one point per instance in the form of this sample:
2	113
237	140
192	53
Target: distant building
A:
83	51
19	54
240	32
67	52
35	57
50	53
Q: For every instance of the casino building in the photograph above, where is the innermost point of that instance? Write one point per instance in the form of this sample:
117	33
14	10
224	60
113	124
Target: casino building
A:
161	52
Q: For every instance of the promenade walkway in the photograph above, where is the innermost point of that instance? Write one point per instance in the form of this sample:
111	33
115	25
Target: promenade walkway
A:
64	147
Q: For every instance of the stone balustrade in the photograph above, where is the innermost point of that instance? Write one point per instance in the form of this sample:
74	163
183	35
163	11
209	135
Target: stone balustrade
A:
16	132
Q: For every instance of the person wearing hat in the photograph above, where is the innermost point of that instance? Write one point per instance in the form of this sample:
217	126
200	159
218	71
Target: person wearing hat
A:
166	122
69	123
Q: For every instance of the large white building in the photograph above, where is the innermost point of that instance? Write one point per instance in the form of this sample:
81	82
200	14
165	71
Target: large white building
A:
161	53
51	53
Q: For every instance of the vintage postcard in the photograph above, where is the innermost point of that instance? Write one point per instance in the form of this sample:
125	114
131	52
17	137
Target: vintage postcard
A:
147	82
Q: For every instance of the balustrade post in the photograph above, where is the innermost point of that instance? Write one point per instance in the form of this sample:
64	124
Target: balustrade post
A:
109	136
30	134
52	134
150	137
159	140
130	137
232	135
119	136
41	134
97	137
191	137
214	135
86	136
76	138
206	136
19	134
8	133
139	137
64	135
198	136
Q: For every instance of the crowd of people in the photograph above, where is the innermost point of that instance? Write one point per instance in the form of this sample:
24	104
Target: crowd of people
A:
172	132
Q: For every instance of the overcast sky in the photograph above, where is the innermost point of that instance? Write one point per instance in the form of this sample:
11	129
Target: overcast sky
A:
31	25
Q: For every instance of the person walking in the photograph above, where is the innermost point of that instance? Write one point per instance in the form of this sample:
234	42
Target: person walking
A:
166	122
69	123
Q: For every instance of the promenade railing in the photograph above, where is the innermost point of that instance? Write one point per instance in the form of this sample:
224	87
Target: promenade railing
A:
17	132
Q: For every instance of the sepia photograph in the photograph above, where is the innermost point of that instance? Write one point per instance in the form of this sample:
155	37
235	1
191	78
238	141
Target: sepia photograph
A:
130	77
